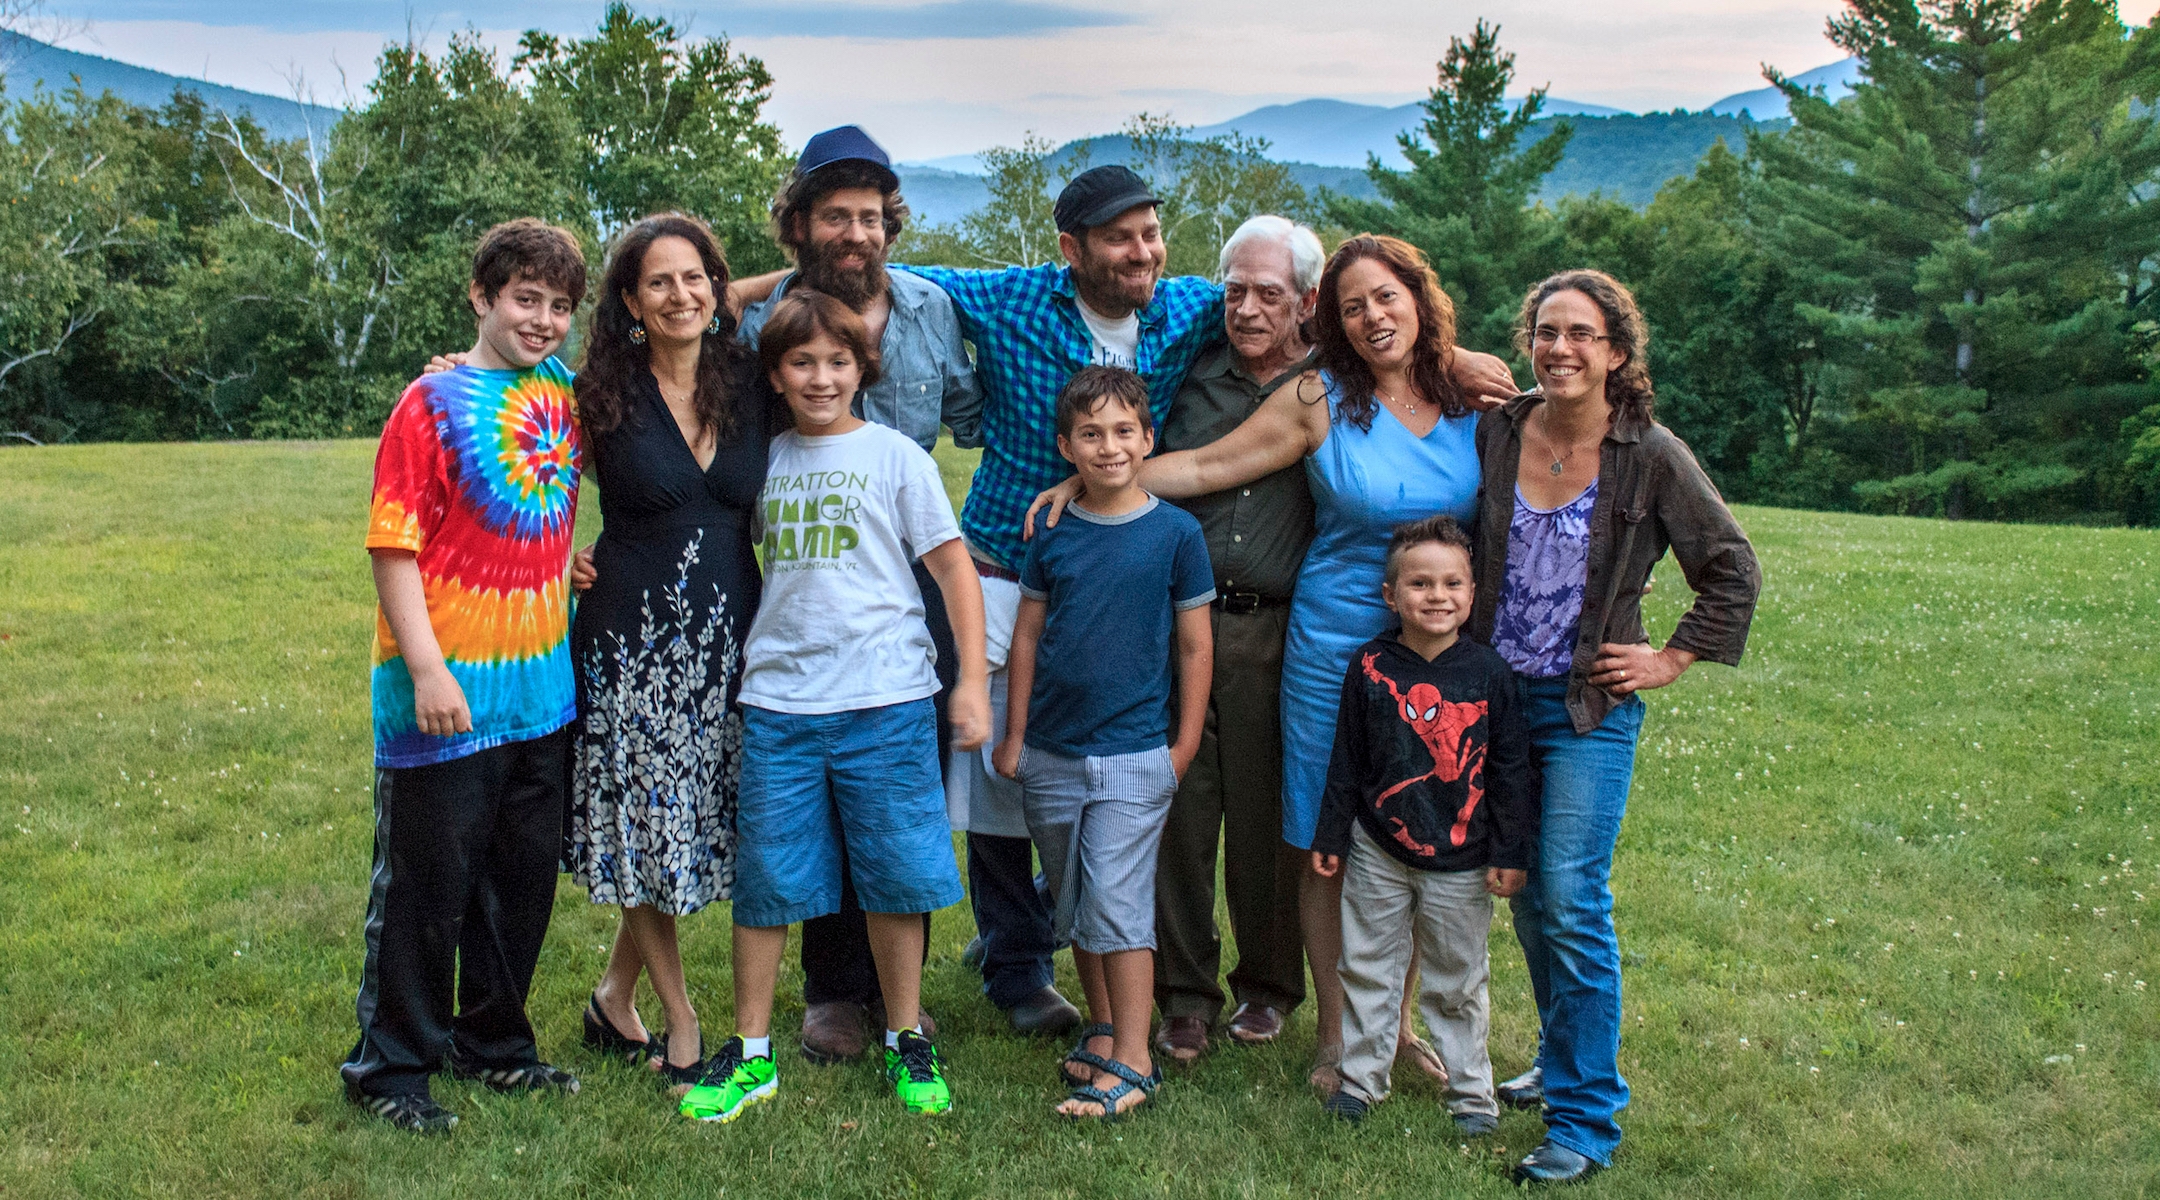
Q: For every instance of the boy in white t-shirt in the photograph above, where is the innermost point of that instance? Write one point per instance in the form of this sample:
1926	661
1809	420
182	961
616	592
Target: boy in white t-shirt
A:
840	738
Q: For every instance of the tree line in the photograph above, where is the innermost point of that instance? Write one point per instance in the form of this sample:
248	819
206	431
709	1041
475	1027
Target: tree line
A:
1936	296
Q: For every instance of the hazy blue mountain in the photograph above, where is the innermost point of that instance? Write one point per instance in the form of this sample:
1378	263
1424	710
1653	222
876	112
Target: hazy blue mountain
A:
1766	104
1336	133
29	64
1626	156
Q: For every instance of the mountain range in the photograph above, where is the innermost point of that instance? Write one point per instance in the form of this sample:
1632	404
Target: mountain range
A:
28	64
1324	142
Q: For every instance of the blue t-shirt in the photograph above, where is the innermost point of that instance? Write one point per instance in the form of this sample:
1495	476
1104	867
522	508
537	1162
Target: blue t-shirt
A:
1102	670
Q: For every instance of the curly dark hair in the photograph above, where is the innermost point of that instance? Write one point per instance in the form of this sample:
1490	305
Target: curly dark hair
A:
613	363
799	193
1432	354
1627	388
529	248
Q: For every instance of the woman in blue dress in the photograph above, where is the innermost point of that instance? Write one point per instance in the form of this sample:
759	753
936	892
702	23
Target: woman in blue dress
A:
1387	436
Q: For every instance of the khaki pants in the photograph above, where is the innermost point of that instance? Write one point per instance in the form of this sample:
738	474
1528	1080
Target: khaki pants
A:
1384	905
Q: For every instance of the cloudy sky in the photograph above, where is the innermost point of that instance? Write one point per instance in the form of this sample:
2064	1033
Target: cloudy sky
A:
955	76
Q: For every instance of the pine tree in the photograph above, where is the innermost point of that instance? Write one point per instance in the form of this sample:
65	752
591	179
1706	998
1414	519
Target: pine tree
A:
1967	238
1465	201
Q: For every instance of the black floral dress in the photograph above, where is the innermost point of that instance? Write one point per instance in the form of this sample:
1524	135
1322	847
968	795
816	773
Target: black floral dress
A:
658	645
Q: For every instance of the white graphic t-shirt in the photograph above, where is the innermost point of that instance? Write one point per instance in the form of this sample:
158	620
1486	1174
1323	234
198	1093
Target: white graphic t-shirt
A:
1117	342
841	623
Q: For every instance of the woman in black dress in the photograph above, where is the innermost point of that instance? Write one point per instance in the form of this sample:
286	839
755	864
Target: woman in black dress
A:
676	421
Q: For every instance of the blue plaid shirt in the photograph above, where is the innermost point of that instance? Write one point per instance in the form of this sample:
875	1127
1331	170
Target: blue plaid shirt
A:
1029	339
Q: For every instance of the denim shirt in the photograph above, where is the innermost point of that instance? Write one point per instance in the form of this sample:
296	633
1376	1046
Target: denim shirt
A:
925	378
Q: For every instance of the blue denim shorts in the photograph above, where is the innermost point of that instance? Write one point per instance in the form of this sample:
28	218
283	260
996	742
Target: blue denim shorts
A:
867	780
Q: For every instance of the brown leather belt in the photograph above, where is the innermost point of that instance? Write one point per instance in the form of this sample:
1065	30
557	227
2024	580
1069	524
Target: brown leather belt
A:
993	571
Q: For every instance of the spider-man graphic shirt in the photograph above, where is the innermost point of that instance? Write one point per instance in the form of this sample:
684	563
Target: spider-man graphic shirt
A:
477	476
1433	758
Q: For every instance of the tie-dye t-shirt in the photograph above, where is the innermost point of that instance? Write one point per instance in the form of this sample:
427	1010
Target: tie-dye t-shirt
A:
477	475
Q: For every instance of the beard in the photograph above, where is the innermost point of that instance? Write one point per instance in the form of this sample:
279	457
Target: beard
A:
852	286
1098	281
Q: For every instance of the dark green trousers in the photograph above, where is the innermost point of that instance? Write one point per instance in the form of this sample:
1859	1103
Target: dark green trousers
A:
1232	797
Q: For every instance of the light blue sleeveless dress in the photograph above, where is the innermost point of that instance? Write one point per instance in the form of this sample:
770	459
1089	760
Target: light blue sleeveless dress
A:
1364	484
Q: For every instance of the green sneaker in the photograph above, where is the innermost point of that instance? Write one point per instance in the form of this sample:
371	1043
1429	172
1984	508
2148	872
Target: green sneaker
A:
731	1084
918	1075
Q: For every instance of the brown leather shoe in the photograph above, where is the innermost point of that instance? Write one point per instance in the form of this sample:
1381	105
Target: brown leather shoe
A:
832	1032
1254	1024
1182	1039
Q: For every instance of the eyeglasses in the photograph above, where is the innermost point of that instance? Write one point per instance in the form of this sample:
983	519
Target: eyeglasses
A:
1578	337
840	221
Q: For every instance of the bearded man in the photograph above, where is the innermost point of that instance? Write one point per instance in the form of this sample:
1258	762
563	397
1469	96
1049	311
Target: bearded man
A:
836	216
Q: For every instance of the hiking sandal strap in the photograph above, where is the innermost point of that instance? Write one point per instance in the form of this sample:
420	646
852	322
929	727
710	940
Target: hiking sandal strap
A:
1133	1079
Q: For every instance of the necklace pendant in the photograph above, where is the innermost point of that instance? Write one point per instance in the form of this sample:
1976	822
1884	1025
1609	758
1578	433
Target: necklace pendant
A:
1556	467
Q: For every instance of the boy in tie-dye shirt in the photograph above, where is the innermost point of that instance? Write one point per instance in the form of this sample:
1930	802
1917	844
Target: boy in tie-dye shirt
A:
469	530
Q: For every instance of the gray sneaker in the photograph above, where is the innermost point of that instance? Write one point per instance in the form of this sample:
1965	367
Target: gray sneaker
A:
1472	1125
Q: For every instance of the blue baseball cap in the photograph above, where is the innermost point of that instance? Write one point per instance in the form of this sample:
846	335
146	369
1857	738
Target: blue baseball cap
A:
847	143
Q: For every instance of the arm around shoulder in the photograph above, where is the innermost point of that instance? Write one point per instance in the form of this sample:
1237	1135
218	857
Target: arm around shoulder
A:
1287	426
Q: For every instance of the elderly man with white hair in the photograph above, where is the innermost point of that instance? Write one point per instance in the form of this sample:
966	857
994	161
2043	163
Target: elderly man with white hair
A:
1256	537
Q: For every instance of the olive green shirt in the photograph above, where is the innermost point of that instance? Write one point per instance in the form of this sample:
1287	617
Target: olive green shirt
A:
1256	534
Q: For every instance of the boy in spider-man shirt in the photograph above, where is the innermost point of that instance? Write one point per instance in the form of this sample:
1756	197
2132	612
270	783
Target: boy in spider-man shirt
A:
1429	798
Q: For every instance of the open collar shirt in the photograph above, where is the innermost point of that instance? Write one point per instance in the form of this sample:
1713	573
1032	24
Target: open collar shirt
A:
1029	339
924	379
1257	532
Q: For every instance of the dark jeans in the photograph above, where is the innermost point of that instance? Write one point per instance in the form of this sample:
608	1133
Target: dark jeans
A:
1012	912
458	905
1232	793
836	962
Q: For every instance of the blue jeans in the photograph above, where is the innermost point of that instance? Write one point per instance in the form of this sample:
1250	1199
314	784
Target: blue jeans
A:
1012	912
1563	917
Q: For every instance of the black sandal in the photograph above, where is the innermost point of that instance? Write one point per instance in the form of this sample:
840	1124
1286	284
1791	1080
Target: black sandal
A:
680	1079
601	1034
1085	1057
1133	1081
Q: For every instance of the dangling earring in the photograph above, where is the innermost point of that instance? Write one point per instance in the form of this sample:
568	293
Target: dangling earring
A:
637	333
713	326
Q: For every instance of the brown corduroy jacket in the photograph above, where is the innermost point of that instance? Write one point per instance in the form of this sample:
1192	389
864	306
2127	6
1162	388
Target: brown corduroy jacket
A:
1651	495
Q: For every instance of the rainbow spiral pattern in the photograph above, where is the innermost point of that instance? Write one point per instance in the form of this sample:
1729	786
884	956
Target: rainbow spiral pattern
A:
477	477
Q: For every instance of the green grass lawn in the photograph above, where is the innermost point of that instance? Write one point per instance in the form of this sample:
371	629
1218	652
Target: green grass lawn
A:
1880	899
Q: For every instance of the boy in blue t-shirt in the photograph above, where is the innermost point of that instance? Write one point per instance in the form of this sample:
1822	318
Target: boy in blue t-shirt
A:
1103	595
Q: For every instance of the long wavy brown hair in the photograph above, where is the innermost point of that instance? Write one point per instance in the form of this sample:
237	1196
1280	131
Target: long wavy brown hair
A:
1432	352
1627	388
614	365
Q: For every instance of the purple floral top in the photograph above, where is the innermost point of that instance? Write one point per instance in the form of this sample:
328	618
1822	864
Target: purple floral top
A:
1548	560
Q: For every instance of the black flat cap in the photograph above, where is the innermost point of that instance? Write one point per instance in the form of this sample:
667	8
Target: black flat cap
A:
1096	197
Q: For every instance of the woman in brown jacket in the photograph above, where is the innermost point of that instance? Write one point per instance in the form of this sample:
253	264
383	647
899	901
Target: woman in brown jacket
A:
1582	494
